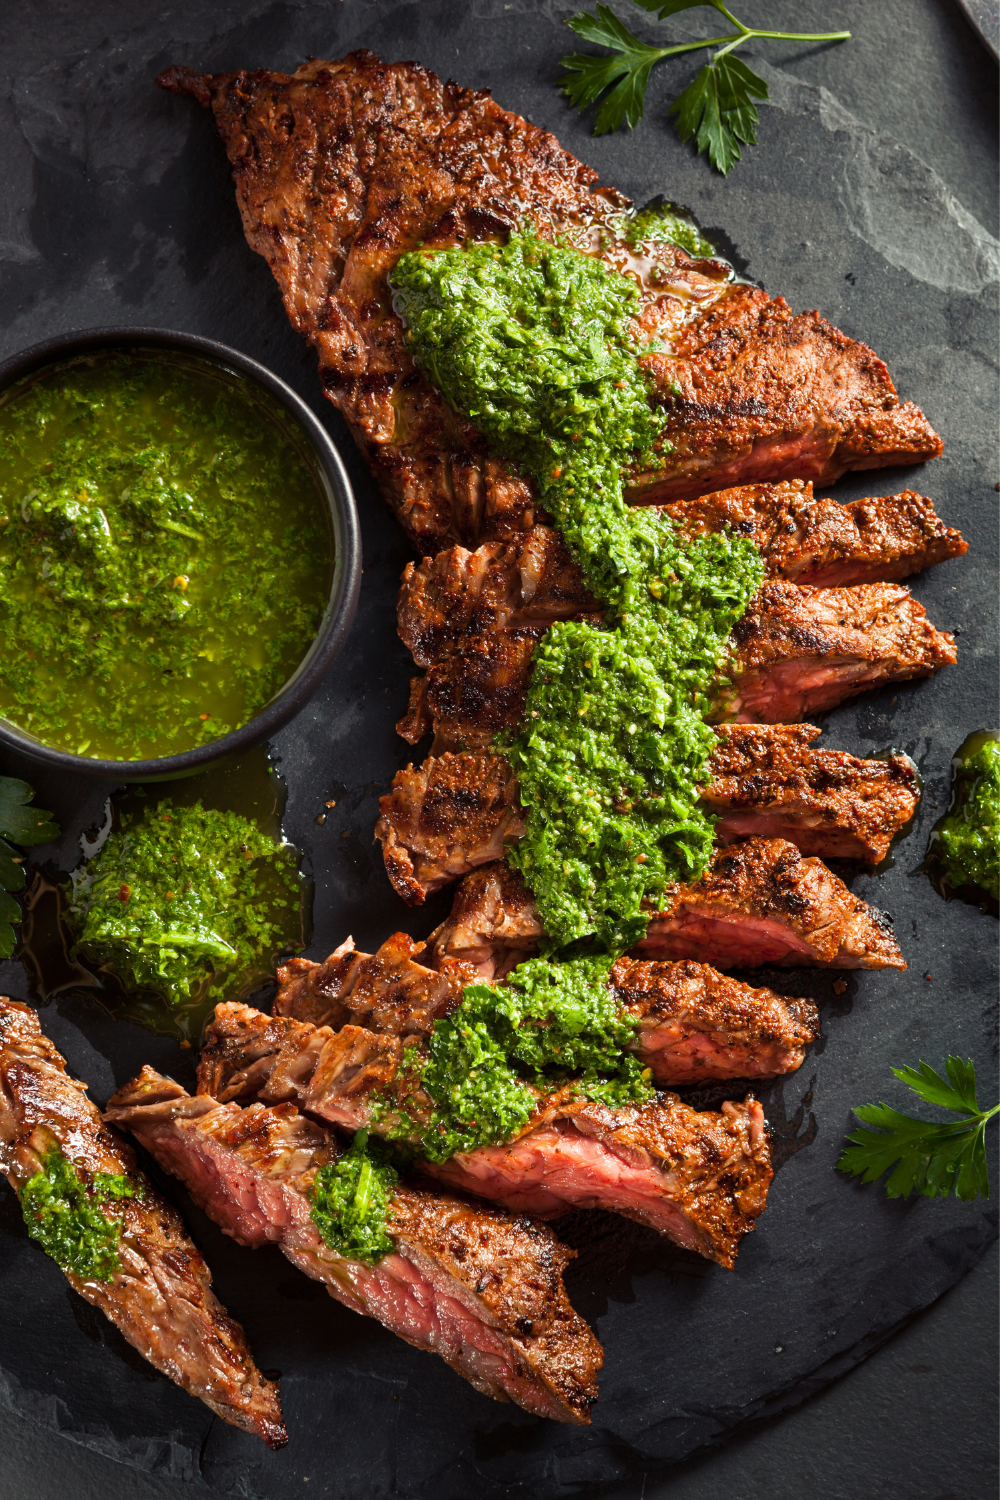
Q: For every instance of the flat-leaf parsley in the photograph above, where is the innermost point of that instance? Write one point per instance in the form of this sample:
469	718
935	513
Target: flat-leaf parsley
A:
717	109
933	1157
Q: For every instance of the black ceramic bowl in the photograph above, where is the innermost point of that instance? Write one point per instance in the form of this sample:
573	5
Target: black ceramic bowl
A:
324	462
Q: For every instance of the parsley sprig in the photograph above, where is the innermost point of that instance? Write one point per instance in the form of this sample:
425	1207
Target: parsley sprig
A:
22	826
930	1156
717	110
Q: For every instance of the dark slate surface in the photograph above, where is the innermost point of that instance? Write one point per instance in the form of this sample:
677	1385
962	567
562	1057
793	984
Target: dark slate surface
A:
866	199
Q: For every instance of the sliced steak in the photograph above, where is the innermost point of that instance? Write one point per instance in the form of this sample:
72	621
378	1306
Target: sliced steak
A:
802	651
478	1286
533	580
767	781
760	902
698	1177
797	651
391	990
695	1024
821	542
160	1297
343	166
457	812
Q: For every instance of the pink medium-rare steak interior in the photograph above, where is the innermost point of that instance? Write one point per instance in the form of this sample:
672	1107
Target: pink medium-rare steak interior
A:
480	1288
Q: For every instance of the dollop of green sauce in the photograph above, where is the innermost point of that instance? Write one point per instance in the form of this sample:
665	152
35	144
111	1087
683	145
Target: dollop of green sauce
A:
550	1024
965	844
536	344
351	1201
663	222
164	557
190	903
66	1210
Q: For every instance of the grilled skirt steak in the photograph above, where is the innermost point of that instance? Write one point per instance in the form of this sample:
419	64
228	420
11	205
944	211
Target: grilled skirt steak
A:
699	1178
533	580
476	1285
695	1025
457	812
343	166
760	902
798	650
160	1297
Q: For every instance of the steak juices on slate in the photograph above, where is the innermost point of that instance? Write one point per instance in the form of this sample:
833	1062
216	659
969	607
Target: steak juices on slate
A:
340	169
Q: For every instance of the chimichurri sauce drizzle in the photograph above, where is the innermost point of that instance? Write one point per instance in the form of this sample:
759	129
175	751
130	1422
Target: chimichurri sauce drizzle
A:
164	557
964	848
535	343
68	1211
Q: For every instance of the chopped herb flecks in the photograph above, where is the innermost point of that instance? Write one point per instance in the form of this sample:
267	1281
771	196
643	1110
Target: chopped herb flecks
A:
66	1209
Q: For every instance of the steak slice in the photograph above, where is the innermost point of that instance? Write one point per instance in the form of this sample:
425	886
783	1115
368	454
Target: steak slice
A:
802	651
478	1286
698	1177
695	1024
457	812
160	1296
533	580
797	651
760	902
343	166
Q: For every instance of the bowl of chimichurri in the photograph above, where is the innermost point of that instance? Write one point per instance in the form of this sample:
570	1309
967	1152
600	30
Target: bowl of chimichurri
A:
179	553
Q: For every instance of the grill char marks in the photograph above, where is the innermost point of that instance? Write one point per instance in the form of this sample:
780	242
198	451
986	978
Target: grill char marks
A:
476	1285
343	166
801	651
457	812
759	902
391	990
700	1178
160	1297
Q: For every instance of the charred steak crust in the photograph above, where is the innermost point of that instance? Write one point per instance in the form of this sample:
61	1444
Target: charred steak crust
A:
479	1286
160	1297
457	812
698	1177
343	166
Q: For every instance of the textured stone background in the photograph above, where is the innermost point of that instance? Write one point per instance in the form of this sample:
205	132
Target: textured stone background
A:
871	196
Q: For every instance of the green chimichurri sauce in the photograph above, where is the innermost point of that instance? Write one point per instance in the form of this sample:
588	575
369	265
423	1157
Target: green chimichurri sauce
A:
164	556
350	1201
535	343
965	845
190	903
66	1209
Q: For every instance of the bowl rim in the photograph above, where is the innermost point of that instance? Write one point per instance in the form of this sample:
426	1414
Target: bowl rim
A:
345	586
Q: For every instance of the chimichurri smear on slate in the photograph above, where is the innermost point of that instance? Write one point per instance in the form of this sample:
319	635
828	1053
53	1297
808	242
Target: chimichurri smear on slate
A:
68	1211
536	344
965	844
188	902
350	1201
164	557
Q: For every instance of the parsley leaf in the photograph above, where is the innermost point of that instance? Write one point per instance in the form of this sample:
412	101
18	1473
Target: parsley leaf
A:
716	110
23	826
935	1158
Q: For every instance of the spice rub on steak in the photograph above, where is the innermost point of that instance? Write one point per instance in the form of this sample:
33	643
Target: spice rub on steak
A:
459	811
698	1177
160	1296
480	1287
759	902
343	166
